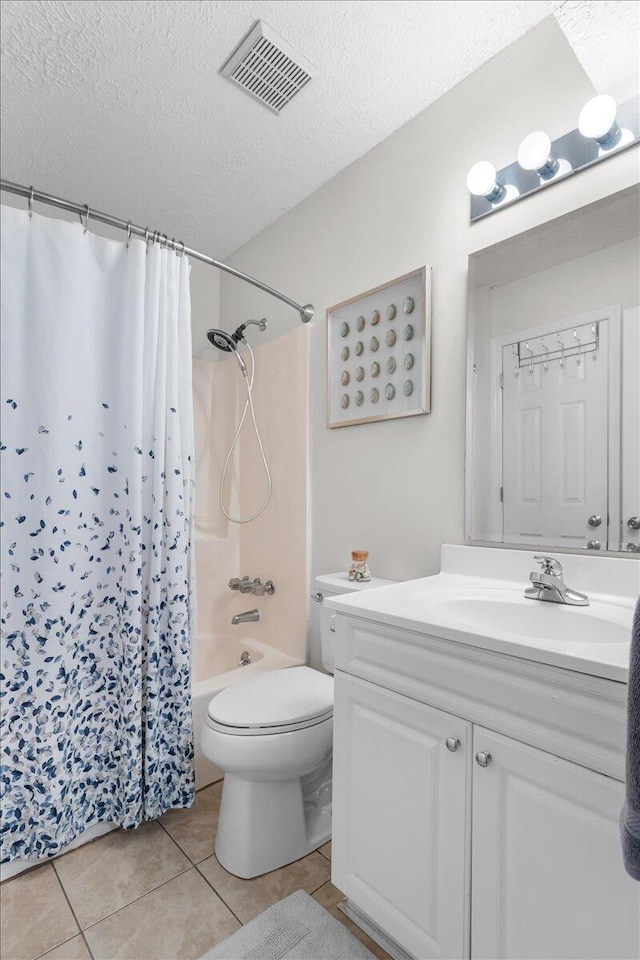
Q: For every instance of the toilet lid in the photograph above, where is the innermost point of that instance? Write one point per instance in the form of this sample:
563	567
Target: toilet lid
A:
274	699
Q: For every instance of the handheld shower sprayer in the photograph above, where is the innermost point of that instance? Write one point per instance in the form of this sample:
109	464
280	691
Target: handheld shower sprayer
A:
229	343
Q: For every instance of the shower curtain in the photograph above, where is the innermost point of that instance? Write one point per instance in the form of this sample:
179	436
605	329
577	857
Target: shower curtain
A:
97	490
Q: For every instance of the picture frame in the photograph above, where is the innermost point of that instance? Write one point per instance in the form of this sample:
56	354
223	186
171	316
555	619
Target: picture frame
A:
379	353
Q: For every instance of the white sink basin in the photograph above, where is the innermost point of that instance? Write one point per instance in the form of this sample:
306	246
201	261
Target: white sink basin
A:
536	620
478	599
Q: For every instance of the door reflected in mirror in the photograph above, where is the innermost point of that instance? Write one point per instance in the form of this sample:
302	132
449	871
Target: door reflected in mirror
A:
553	384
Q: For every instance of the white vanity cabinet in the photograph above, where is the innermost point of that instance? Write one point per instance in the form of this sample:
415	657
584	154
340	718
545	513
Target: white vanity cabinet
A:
476	800
547	875
400	820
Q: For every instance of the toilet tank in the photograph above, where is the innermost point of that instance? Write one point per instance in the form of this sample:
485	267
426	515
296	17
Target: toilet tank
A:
332	585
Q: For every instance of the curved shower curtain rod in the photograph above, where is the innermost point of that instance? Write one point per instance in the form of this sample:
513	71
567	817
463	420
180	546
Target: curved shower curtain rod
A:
306	311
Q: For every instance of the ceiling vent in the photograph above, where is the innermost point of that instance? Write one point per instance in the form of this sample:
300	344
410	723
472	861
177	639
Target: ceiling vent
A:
267	68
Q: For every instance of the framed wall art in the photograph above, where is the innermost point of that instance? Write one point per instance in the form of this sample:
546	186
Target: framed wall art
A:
379	353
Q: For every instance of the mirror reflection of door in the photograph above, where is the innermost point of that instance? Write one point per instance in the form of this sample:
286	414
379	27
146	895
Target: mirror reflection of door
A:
555	430
553	384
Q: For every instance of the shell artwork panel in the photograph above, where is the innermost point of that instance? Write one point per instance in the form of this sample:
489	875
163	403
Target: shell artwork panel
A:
394	302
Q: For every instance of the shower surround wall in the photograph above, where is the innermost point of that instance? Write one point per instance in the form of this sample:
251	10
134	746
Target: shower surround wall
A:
273	547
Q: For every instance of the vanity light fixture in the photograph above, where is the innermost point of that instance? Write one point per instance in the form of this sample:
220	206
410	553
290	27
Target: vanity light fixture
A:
604	130
534	153
481	182
597	121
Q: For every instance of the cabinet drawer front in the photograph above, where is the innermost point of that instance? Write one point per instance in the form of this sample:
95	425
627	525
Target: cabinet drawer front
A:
548	879
569	714
400	829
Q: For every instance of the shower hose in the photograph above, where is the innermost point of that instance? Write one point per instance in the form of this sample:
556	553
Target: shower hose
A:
248	406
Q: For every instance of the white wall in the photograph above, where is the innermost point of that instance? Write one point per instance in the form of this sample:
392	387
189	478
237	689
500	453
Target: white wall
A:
567	290
396	488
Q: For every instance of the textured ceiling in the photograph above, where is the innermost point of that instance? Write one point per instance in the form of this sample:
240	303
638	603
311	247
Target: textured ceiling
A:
119	103
604	35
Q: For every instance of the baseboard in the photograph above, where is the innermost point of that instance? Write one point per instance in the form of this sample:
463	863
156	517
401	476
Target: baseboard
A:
373	930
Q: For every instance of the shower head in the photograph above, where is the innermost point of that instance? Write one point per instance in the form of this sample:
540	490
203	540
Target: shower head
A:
224	341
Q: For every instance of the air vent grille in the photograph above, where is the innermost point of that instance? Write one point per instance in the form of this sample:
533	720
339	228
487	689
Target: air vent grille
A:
267	68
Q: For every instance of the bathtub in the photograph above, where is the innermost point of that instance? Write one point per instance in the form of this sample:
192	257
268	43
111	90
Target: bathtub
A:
216	666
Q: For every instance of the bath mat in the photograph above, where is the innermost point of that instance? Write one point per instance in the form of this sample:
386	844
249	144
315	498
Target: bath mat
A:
296	928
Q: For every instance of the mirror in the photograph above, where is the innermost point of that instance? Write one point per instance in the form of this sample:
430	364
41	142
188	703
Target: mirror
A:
553	384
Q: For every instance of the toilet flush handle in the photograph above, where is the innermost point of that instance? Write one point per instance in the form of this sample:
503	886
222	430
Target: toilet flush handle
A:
317	597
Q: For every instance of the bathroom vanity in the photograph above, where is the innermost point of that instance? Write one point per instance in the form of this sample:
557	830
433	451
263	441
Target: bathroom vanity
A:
479	761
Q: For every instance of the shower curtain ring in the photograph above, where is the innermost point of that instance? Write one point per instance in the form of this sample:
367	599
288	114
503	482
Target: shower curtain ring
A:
128	234
146	239
30	201
181	254
85	222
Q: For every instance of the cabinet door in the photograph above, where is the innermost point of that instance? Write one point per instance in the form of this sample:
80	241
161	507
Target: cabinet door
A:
399	816
548	879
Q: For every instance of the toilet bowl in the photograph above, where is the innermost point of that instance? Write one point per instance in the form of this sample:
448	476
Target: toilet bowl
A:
272	737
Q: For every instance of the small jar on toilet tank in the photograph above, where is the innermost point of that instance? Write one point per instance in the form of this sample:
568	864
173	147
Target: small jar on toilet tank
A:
359	569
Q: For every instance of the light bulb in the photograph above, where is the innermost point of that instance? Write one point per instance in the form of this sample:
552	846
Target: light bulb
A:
481	182
597	120
534	153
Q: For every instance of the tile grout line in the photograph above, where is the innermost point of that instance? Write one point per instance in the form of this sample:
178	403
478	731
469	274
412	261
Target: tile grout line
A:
73	913
194	863
219	895
137	899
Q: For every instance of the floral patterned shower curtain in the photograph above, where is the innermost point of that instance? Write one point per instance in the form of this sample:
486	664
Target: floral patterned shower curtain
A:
97	488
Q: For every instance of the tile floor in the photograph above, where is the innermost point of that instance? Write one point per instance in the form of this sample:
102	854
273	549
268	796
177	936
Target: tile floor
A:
157	892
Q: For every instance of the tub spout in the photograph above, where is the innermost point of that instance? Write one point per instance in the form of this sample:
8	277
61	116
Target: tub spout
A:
249	616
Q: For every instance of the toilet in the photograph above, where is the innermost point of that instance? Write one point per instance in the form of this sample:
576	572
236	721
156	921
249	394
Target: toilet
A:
272	736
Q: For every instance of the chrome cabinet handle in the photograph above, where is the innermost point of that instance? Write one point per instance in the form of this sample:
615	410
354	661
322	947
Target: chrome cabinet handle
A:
593	544
332	628
452	743
317	597
483	759
633	547
594	520
633	523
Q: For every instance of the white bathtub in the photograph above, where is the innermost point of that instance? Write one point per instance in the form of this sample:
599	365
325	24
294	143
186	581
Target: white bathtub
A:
216	667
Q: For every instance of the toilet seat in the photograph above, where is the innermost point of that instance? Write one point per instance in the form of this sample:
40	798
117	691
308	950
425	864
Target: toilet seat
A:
276	702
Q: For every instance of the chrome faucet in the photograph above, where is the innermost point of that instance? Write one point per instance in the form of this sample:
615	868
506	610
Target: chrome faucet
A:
249	616
548	584
255	586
